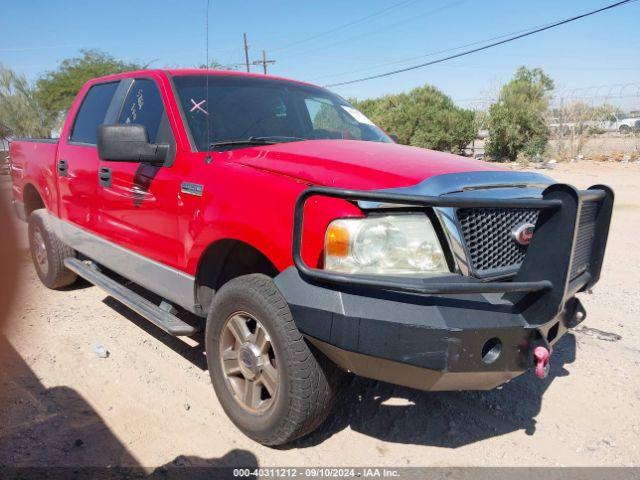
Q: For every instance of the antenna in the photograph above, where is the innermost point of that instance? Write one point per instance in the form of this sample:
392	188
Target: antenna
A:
208	157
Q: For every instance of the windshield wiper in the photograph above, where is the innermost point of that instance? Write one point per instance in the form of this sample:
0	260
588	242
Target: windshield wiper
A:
254	141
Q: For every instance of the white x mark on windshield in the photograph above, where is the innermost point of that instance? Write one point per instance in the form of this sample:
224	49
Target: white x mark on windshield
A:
198	106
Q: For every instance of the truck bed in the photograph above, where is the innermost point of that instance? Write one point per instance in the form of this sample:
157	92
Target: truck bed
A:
32	161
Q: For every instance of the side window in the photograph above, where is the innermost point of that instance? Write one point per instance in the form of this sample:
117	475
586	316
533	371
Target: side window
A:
143	106
327	120
92	113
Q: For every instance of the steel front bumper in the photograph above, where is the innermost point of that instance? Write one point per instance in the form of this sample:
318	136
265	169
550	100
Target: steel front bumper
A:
425	342
454	332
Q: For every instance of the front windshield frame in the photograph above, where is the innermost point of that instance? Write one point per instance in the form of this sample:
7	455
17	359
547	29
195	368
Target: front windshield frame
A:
197	138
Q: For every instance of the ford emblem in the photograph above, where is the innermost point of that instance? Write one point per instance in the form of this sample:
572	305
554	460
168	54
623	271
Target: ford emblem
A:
523	233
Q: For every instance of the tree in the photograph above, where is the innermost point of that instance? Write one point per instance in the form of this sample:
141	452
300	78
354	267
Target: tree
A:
56	89
517	122
216	65
21	114
424	117
5	132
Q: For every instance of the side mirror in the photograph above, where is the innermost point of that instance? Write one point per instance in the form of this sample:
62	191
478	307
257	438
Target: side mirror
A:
129	142
394	137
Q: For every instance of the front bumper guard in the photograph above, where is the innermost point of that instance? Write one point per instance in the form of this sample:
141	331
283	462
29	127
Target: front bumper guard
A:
454	332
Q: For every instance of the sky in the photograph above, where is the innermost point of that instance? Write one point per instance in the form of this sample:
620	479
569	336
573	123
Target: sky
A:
329	41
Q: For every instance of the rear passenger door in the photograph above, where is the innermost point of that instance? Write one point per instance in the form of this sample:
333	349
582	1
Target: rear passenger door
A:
138	203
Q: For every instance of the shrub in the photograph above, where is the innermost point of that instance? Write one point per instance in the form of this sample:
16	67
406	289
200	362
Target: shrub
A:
517	120
424	117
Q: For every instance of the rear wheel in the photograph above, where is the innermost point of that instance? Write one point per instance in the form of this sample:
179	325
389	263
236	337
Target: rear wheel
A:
624	129
272	384
48	252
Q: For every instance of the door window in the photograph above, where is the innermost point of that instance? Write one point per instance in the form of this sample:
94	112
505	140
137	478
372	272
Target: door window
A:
92	113
143	106
329	121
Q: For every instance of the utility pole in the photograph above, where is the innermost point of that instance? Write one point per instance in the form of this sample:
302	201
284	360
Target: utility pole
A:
246	51
264	62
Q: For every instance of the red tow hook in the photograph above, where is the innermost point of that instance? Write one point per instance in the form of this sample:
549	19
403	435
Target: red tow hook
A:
541	355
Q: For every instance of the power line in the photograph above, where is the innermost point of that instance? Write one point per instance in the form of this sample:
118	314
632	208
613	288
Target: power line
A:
413	18
431	54
549	67
343	26
485	47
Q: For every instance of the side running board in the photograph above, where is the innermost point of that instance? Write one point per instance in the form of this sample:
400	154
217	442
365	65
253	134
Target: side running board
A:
161	318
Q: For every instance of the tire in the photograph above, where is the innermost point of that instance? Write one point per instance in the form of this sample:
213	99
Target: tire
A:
48	252
624	129
306	380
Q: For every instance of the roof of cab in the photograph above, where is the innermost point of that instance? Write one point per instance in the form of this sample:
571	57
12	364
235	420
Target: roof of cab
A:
199	71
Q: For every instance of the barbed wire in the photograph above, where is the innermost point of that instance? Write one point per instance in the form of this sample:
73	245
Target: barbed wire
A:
596	93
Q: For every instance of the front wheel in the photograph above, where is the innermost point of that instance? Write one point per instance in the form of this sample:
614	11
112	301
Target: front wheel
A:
624	129
271	383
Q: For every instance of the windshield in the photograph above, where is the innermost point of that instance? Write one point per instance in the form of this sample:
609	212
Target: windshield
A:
241	108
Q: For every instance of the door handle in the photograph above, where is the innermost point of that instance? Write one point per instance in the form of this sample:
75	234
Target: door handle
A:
104	175
63	167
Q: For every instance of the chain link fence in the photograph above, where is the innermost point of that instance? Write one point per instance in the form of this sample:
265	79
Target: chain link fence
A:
594	123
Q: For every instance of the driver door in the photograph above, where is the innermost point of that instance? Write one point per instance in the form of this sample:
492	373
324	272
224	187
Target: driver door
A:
137	204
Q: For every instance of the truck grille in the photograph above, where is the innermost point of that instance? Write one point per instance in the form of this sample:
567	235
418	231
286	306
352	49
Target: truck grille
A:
487	236
584	238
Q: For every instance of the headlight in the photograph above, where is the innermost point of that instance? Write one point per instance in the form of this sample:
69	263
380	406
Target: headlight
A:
384	245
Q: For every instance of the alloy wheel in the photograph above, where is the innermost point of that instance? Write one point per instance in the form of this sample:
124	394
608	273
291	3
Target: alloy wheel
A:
40	251
249	362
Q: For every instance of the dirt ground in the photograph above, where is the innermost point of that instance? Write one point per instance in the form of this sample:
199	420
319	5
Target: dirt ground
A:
150	402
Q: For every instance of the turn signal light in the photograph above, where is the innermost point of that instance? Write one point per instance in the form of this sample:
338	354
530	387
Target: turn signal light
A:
337	241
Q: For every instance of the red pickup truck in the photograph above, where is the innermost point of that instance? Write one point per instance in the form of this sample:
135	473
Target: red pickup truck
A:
307	238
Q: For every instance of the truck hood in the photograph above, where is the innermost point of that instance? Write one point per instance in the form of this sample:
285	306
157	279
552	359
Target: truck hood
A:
355	164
